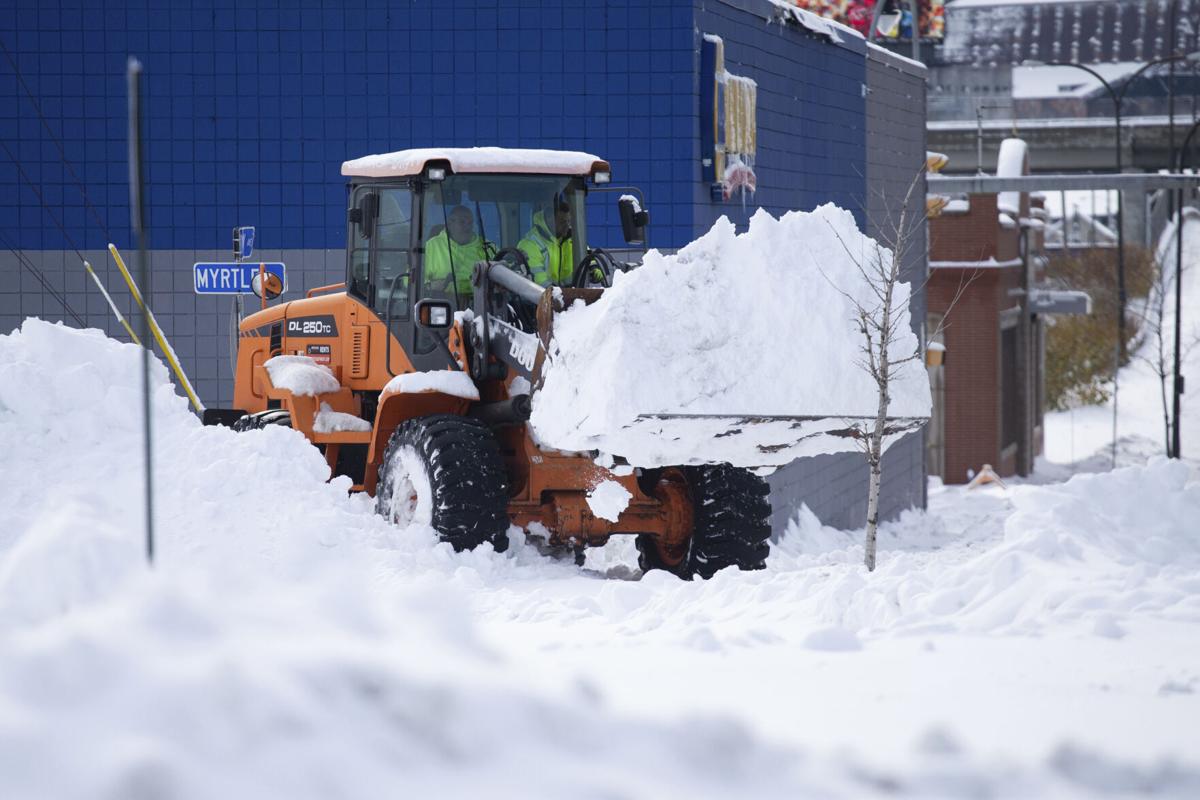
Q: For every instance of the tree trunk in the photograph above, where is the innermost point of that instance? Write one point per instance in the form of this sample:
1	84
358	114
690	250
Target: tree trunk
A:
872	511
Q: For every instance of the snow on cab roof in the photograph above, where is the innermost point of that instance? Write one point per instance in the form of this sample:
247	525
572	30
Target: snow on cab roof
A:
474	159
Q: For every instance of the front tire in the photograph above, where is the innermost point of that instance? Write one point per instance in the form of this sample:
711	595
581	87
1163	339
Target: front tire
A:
731	524
445	471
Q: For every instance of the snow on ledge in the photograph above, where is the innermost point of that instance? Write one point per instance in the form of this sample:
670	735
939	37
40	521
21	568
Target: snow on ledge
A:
329	421
817	24
474	159
301	376
987	263
453	383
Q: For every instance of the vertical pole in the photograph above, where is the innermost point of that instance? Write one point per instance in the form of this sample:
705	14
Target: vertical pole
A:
137	222
1120	349
1177	383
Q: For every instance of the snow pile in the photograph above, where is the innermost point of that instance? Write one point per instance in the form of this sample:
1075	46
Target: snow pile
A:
289	643
301	375
451	382
1078	555
734	326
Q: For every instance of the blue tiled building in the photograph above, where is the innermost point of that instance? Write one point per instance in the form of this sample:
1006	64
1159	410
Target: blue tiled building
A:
252	106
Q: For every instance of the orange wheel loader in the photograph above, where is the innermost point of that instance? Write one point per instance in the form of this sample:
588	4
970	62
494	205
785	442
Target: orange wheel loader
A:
456	262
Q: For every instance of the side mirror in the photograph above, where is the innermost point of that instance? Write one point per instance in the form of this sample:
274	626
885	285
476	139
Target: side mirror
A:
633	219
435	315
365	214
266	284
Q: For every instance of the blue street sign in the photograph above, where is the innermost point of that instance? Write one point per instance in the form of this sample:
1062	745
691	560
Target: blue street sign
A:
232	278
246	241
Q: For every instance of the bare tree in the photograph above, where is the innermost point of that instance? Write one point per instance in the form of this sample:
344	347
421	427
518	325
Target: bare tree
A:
881	326
1157	318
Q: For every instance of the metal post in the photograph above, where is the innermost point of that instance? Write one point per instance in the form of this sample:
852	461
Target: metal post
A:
133	80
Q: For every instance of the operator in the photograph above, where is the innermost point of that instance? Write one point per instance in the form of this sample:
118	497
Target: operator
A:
550	255
451	255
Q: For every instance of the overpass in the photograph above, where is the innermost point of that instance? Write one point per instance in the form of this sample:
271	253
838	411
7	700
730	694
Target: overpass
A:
1081	144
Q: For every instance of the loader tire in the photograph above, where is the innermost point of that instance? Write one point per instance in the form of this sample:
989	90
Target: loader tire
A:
445	471
732	524
262	419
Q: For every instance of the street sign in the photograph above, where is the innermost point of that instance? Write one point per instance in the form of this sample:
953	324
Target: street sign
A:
232	278
243	242
1059	301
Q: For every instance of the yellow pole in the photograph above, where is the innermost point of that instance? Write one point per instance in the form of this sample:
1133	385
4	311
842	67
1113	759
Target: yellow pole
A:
167	352
111	304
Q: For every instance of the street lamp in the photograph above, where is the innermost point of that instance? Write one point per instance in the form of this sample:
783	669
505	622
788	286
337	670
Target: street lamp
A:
1177	383
1118	97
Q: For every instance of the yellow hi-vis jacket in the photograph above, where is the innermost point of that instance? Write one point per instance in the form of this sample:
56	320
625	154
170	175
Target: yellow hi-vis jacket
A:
551	260
442	252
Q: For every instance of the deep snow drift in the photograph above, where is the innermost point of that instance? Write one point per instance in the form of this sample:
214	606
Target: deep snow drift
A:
1037	642
759	324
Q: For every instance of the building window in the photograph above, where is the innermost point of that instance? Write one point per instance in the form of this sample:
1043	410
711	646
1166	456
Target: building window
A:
1010	420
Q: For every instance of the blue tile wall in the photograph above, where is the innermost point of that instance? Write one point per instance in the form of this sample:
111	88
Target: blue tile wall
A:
811	113
252	106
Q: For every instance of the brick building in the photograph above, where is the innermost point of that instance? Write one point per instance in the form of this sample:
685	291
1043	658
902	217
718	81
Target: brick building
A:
984	251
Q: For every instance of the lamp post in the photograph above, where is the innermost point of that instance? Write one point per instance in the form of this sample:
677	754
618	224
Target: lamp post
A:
1177	383
1118	97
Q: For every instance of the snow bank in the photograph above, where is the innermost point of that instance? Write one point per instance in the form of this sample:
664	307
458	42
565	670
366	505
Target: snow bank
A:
750	325
288	643
1082	555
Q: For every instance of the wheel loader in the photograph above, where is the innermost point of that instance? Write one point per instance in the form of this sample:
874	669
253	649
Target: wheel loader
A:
434	374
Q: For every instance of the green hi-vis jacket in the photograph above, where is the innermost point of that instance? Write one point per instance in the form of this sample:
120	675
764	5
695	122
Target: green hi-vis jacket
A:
441	252
551	259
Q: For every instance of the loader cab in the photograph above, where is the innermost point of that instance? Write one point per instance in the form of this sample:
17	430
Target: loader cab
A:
395	224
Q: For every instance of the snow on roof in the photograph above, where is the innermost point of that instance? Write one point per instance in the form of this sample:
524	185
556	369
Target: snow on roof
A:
1048	81
816	23
474	159
1010	163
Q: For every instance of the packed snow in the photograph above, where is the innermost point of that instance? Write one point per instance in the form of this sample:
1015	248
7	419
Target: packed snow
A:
473	159
451	382
326	420
740	348
1034	642
301	375
608	499
1010	163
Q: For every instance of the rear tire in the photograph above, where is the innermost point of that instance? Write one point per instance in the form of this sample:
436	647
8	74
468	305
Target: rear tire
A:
445	471
732	524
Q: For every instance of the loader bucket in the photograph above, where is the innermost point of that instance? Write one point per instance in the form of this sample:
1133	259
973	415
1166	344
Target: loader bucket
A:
754	442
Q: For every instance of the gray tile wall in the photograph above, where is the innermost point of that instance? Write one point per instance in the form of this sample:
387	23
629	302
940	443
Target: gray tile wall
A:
835	486
197	326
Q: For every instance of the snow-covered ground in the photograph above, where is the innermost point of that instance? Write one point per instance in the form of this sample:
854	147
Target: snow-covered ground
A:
1034	641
